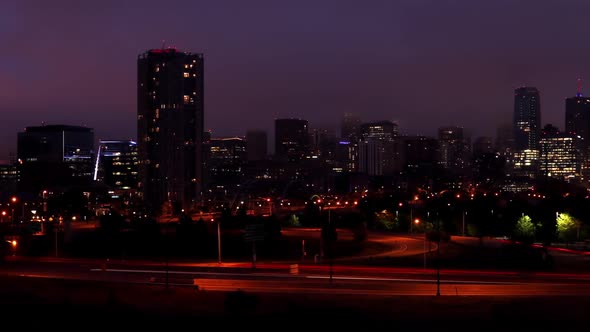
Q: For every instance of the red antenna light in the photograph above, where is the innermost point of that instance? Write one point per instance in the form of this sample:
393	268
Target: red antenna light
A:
579	94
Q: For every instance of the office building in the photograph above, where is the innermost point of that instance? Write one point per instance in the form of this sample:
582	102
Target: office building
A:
560	157
226	162
453	148
8	178
527	118
351	127
117	164
256	143
379	149
577	116
55	156
291	139
483	145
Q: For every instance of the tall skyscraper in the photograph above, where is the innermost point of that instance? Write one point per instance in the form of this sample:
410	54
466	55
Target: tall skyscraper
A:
483	145
291	139
560	156
577	116
170	113
577	123
116	164
453	148
54	156
351	126
420	152
527	118
379	150
256	145
383	130
505	139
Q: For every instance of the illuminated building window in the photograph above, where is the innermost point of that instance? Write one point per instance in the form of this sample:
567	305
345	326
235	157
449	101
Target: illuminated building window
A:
186	99
186	75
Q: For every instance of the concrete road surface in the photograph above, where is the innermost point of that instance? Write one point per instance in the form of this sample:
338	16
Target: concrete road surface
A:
278	278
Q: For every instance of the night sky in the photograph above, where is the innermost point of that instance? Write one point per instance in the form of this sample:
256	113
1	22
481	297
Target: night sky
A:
422	63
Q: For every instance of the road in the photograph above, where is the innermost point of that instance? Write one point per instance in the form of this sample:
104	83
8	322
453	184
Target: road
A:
396	245
282	278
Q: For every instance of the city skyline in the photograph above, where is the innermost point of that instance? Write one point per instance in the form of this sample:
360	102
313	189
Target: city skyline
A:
402	70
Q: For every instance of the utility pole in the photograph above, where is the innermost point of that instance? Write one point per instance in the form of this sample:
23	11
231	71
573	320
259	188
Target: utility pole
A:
438	259
55	228
166	250
464	213
411	217
218	242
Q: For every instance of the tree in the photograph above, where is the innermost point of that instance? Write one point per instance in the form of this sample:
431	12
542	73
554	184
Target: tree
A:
524	230
293	221
385	220
567	227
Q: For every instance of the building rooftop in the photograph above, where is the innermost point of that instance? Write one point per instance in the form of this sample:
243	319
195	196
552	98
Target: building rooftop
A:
57	127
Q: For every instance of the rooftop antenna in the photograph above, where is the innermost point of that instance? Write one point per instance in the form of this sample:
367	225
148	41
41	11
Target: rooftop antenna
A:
163	44
579	93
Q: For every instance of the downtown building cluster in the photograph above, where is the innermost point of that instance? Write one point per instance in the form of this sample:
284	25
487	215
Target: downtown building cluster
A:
174	165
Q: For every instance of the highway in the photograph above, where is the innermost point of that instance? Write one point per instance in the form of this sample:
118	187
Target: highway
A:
284	278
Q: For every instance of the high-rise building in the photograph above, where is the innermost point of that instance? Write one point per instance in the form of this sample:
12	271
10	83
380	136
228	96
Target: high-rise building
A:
8	178
379	149
453	148
383	130
227	158
420	152
170	113
323	143
577	117
505	139
291	139
527	118
560	156
256	145
577	123
117	164
54	156
483	145
346	156
351	126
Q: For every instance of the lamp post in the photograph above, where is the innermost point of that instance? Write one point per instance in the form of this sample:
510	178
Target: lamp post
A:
13	200
411	216
417	222
438	259
218	241
464	214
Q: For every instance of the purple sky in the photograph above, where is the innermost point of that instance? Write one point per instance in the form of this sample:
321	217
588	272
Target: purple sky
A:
423	63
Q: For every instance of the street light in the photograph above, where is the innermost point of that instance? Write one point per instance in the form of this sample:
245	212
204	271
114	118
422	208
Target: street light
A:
13	244
438	258
218	241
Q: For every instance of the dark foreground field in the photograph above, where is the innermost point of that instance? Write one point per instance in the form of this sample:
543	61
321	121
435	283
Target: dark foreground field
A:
67	305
